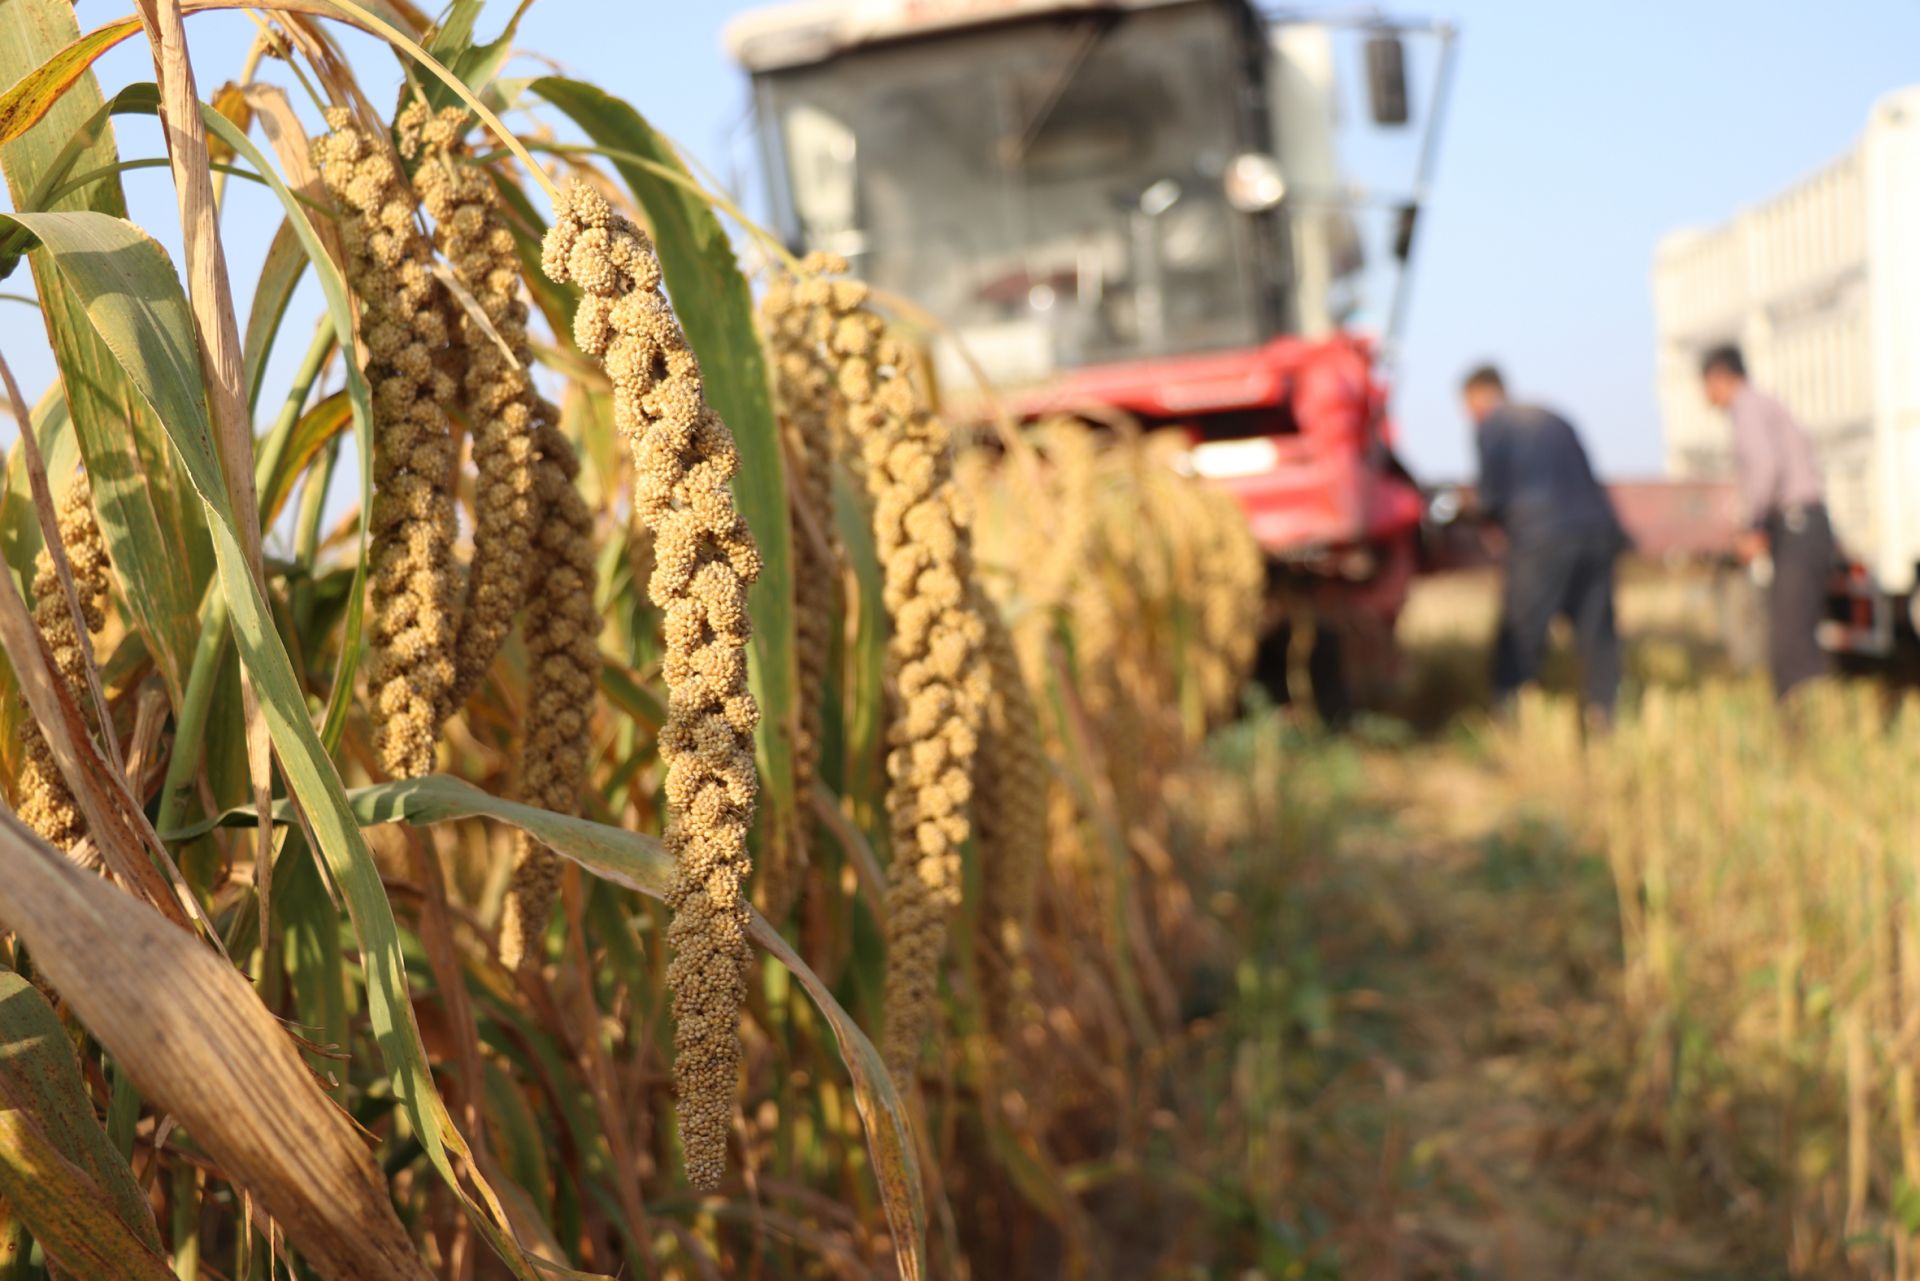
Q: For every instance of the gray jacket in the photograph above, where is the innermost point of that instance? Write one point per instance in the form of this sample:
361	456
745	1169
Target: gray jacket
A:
1773	458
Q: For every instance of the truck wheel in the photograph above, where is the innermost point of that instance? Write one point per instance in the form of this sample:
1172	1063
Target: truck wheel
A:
1327	674
1271	663
1327	680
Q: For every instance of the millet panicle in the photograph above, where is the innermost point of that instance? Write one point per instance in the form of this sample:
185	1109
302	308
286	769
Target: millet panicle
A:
404	326
1011	779
496	380
705	558
804	382
533	532
41	796
562	630
937	674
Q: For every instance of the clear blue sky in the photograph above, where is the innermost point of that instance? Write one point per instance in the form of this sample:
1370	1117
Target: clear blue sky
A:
1577	136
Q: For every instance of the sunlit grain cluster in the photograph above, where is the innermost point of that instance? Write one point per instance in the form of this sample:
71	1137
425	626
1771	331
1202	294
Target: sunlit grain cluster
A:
43	800
704	558
404	326
812	416
940	696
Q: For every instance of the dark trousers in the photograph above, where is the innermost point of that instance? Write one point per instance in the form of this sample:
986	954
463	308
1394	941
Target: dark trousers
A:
1800	542
1569	575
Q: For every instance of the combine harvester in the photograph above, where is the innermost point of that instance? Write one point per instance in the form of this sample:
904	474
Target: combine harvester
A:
1820	286
1136	206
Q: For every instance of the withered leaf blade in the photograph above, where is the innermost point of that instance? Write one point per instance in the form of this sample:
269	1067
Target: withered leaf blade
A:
66	1211
639	863
196	1040
58	1172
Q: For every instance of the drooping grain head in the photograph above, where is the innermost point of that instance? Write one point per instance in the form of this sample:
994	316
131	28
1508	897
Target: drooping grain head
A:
1011	788
404	327
1220	571
937	675
704	559
42	798
497	384
808	404
533	532
562	631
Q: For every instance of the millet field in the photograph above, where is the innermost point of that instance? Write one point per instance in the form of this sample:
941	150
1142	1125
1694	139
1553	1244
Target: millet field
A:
533	750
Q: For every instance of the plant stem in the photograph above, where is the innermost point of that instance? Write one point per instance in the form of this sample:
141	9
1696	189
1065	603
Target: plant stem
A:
250	68
306	533
190	726
16	1250
186	1222
123	1112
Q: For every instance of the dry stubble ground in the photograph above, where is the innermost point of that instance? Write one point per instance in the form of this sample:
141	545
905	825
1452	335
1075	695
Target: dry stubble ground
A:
1468	1116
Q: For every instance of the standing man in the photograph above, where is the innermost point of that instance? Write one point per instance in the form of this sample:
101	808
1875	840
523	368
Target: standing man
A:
1784	505
1562	538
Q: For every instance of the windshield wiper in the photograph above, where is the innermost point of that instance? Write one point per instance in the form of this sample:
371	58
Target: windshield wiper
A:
1099	26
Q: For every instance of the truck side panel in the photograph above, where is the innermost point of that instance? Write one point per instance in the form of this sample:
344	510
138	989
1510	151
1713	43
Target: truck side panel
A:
1818	285
1891	151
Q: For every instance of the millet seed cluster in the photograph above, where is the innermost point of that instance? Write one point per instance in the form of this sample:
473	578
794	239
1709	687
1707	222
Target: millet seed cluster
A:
704	559
533	532
42	799
496	381
390	266
796	318
938	675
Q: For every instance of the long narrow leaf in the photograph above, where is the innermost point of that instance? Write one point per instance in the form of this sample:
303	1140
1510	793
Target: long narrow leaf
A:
134	301
716	307
312	433
280	274
638	862
195	1038
113	817
66	1211
287	257
358	397
20	537
317	242
154	528
40	1078
32	96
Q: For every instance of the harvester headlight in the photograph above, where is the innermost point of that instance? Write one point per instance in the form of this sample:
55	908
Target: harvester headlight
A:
1254	183
1229	459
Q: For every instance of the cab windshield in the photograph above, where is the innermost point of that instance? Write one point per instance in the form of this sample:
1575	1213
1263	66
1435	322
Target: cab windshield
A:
1052	189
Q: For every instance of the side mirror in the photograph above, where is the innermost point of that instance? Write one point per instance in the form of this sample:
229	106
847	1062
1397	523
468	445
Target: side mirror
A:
1405	220
1387	79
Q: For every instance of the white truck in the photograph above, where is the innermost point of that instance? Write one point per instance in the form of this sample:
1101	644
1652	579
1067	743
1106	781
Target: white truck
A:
1820	287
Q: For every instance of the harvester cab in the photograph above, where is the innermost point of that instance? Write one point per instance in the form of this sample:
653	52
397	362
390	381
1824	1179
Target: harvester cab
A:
1135	205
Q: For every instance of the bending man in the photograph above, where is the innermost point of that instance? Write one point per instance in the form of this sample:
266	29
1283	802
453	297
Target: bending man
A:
1562	538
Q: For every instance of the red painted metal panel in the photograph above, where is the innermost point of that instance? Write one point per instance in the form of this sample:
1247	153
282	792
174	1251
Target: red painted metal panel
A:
1678	517
1328	487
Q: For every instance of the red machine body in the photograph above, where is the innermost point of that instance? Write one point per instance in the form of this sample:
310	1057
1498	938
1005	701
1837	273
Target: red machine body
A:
1299	432
1134	207
1320	483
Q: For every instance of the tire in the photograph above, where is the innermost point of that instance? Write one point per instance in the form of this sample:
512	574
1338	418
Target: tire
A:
1270	663
1327	675
1328	684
